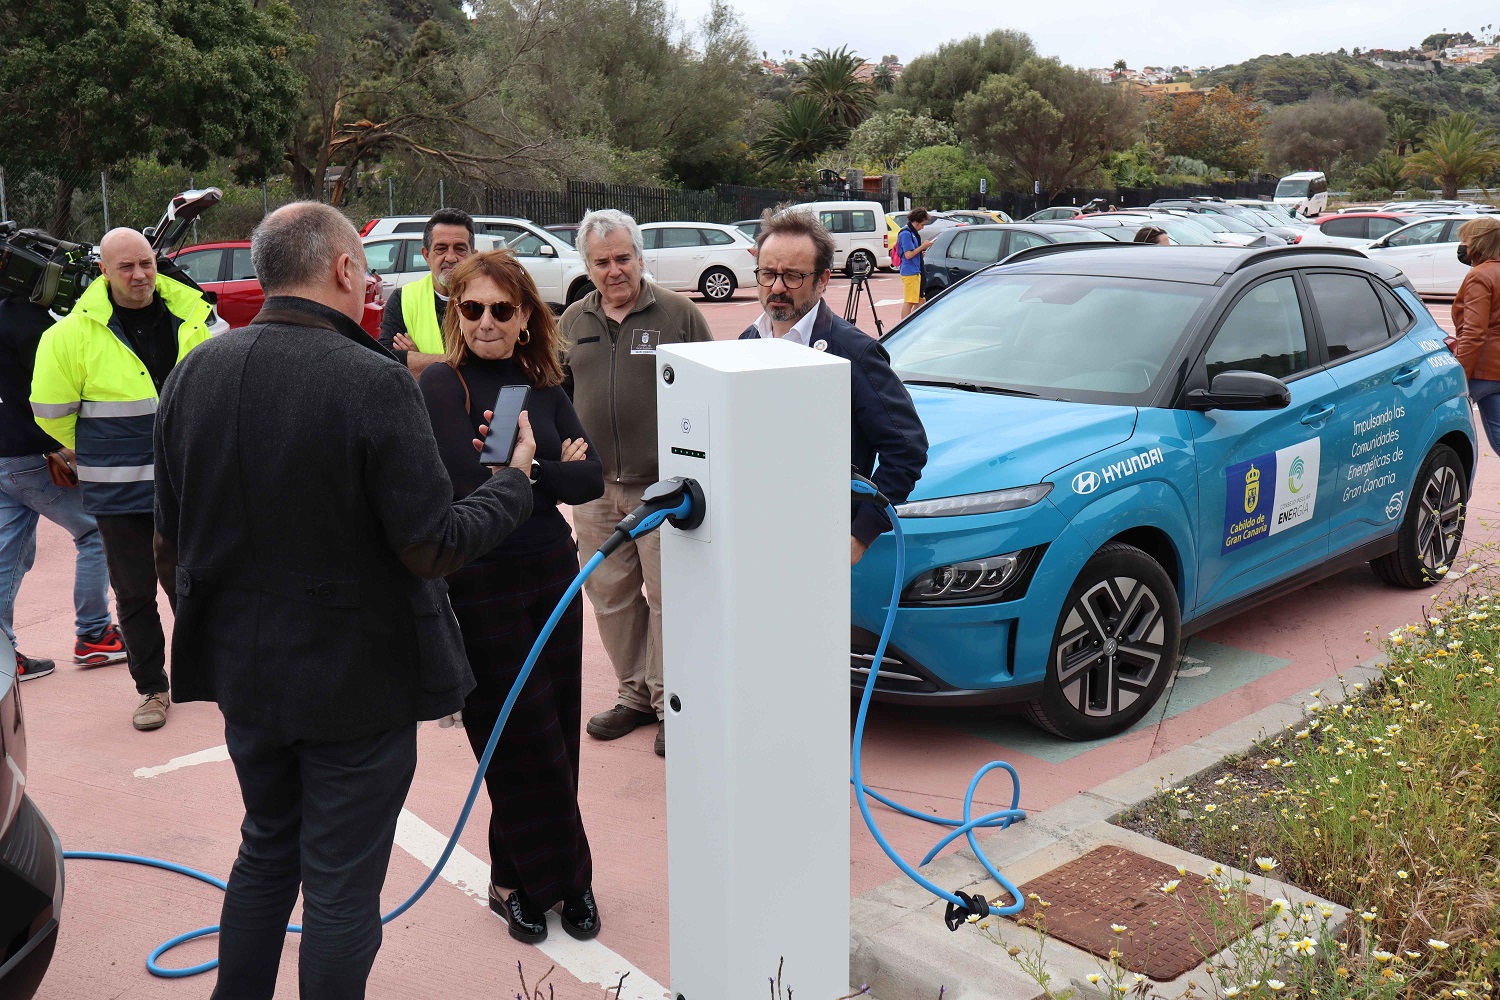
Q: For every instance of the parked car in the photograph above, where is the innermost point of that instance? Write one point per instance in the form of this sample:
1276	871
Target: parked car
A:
1129	444
1354	229
859	237
397	261
1122	227
31	861
711	259
556	267
1426	252
979	217
937	222
1221	209
1441	207
567	232
957	253
1054	214
750	227
226	270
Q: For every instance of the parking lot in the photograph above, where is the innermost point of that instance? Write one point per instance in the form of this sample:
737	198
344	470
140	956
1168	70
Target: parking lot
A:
172	794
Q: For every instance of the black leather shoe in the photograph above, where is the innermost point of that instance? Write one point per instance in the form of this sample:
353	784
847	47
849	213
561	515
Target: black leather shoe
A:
580	916
661	739
525	921
618	721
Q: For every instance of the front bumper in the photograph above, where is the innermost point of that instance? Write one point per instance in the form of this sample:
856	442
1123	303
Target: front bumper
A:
904	680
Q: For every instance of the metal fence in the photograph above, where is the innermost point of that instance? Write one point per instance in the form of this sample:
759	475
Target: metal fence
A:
81	206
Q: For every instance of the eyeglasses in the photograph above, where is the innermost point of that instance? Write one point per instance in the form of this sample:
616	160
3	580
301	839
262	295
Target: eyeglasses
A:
474	311
791	279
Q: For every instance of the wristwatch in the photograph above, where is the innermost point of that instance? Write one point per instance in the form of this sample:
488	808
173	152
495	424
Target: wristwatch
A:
536	470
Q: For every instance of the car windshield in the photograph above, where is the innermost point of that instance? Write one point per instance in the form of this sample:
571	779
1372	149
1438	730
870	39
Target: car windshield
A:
1084	338
1078	236
1213	223
1234	225
1185	233
1289	187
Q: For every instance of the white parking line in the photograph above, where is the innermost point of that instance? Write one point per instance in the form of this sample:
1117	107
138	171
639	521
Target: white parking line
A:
209	756
587	961
889	302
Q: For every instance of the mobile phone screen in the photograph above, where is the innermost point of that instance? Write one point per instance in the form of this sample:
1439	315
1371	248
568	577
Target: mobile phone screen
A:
503	428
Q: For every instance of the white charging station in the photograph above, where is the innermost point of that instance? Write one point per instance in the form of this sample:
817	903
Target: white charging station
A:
756	646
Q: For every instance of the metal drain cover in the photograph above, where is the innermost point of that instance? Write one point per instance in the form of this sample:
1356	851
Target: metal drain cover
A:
1110	885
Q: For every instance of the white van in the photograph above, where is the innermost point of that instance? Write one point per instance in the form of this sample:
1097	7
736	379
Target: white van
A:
1305	192
859	232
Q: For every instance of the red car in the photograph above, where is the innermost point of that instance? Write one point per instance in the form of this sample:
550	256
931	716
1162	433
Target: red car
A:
225	269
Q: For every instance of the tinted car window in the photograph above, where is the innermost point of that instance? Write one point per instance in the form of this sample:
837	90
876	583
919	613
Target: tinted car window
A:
1020	240
410	227
1379	227
1353	318
672	239
1348	228
651	239
715	237
984	245
1263	333
413	256
201	265
1421	233
1078	236
240	266
526	245
956	246
835	222
382	257
1401	318
862	222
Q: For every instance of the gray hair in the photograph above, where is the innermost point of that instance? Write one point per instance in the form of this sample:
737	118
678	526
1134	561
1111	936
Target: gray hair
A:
295	245
606	221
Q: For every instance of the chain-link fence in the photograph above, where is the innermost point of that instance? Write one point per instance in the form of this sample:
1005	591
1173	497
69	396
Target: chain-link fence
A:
82	205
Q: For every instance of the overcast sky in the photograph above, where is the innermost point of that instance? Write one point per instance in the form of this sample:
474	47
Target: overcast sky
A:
1089	33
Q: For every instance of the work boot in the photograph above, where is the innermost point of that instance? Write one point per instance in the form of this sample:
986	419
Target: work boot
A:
525	921
661	739
618	721
29	668
580	916
97	650
151	713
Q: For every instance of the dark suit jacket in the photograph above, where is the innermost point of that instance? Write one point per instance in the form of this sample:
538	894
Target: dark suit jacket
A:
308	519
885	424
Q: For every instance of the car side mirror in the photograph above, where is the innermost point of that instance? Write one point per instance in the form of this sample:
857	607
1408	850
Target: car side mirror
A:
1241	391
547	250
1379	244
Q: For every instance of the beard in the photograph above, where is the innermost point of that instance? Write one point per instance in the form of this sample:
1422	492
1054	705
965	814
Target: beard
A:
787	309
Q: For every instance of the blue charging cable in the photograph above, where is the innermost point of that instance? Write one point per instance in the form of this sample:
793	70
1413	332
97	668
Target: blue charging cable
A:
961	905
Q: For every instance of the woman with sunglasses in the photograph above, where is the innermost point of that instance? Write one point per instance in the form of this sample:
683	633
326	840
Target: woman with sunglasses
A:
500	334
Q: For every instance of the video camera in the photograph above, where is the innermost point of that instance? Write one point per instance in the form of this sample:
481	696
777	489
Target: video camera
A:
52	273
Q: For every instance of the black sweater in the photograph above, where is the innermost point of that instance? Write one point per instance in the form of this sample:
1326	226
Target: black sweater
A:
552	420
21	327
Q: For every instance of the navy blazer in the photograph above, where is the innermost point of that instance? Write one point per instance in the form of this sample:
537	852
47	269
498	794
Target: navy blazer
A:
885	425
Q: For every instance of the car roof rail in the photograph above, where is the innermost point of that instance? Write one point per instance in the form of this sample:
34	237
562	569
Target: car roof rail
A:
1050	249
1293	250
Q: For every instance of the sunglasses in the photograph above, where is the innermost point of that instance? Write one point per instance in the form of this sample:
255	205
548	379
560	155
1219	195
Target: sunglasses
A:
474	311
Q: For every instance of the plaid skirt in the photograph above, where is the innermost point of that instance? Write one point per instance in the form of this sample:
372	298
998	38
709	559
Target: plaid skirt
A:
537	840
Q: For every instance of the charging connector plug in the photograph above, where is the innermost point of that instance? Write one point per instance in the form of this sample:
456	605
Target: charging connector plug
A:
679	500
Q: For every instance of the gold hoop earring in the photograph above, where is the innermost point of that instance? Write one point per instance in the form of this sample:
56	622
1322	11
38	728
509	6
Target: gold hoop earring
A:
524	337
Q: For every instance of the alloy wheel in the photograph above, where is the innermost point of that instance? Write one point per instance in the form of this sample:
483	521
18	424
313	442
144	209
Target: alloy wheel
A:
718	286
1112	644
1439	520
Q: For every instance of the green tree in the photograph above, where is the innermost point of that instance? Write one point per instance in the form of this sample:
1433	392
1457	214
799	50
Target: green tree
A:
1048	123
892	136
936	82
1455	150
1287	79
883	80
1383	172
1313	134
828	77
943	176
801	131
87	84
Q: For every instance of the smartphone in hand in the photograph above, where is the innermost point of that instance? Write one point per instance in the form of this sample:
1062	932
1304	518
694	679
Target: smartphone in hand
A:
505	425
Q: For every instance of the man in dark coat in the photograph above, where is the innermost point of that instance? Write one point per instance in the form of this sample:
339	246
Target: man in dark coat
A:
794	259
306	517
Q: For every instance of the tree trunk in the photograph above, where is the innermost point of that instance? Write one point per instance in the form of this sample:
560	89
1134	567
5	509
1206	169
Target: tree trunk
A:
62	208
1450	188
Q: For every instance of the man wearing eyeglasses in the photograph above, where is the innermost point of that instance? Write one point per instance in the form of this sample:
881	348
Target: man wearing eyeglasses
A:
612	335
795	259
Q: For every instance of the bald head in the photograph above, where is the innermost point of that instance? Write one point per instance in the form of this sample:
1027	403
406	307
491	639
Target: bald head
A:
313	252
129	265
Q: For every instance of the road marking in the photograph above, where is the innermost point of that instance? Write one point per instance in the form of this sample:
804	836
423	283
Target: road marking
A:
210	756
889	302
587	961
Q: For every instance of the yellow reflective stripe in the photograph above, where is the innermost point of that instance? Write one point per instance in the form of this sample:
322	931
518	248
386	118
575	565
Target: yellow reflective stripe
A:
126	408
116	473
420	316
54	411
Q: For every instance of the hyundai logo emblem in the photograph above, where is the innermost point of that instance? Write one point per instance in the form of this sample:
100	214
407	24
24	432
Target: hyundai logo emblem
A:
1086	482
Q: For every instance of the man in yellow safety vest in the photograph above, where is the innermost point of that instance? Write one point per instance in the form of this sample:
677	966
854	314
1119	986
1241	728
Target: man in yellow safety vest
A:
413	323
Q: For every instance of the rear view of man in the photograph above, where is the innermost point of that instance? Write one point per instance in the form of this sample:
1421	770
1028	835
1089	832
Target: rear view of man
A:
98	373
413	322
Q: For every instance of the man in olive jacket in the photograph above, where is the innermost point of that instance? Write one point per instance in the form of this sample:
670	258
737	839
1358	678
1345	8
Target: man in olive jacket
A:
307	520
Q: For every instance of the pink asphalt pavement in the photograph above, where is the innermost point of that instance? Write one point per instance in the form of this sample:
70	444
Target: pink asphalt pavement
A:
84	757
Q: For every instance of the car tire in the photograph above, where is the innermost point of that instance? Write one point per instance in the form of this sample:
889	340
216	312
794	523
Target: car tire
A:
1432	528
717	284
1098	685
861	260
580	288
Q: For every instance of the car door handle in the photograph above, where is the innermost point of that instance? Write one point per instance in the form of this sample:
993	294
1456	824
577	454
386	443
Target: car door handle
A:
1317	416
955	270
1406	374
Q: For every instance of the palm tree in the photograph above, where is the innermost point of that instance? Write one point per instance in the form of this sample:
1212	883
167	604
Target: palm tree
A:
883	79
1455	150
1404	132
1383	172
829	78
803	130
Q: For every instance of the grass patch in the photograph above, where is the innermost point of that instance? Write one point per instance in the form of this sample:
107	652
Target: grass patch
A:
1388	804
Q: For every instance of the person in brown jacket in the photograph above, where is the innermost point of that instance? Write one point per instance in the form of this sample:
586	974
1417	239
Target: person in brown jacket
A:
1476	319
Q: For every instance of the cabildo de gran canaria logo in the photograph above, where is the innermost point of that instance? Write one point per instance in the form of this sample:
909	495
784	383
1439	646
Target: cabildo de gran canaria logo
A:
1294	477
1252	489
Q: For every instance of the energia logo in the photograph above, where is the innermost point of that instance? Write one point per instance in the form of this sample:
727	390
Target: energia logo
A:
1294	477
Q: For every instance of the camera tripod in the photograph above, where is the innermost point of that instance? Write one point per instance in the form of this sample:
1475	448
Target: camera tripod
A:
859	280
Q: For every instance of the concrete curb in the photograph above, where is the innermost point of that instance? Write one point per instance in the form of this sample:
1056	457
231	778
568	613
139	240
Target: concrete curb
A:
900	946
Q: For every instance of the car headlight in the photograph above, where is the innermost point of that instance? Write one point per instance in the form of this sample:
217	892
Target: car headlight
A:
976	503
977	581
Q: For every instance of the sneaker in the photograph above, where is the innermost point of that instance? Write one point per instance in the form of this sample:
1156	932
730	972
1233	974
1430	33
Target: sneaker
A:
30	667
661	739
618	721
580	916
151	713
96	651
525	921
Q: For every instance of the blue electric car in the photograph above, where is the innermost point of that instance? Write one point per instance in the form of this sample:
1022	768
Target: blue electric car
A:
1131	443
